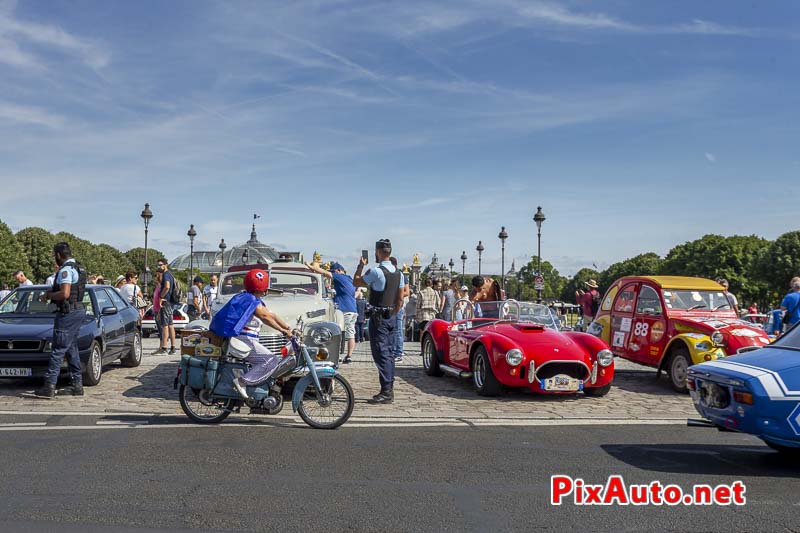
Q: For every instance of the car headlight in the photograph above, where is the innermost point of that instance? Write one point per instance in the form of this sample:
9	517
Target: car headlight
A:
48	346
514	357
315	314
605	357
718	338
321	336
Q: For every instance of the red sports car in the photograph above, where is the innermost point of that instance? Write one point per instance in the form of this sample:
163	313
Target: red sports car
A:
513	344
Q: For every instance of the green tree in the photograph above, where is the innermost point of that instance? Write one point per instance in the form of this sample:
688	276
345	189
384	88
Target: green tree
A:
38	244
112	261
647	264
136	257
778	264
522	286
12	255
578	282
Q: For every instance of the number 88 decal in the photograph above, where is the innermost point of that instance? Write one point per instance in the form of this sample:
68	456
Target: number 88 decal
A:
641	329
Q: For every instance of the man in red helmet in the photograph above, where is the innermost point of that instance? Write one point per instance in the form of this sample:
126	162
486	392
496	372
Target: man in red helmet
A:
242	317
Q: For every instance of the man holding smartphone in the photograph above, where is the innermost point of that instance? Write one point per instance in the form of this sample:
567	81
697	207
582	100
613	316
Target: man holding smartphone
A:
385	283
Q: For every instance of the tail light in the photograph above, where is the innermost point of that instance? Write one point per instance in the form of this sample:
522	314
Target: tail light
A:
743	397
148	315
177	316
284	351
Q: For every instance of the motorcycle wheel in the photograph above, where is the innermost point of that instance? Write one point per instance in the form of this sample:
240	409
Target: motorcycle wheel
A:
200	411
334	409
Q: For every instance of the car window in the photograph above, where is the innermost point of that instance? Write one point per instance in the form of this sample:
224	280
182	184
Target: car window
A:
625	299
27	302
691	300
87	303
119	303
649	303
103	300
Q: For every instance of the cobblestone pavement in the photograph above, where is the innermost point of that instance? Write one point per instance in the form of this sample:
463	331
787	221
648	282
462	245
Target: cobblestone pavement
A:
635	396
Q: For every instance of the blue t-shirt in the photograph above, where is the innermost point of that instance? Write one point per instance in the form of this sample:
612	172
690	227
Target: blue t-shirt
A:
166	276
376	280
790	302
67	273
345	298
776	322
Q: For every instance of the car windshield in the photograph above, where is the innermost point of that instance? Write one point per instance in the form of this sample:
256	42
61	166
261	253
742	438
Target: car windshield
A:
689	300
533	312
790	339
282	281
26	302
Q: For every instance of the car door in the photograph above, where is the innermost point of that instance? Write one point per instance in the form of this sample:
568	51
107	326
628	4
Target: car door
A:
622	319
648	327
128	316
111	326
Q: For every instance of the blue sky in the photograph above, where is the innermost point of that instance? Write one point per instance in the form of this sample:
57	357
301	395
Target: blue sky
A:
635	125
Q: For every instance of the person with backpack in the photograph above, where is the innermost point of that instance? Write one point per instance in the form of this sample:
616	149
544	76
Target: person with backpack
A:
170	295
589	301
67	294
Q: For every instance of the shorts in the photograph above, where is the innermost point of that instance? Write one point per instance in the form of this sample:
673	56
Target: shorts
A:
350	325
165	315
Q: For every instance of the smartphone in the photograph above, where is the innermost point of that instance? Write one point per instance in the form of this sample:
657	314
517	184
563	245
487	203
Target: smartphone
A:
365	255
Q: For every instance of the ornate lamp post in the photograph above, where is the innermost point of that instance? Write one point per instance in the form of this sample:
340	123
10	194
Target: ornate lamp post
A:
539	218
222	247
191	234
146	216
245	256
480	250
463	264
503	235
451	264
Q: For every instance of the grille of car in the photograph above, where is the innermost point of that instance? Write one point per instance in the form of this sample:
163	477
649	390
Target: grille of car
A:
20	346
273	341
575	370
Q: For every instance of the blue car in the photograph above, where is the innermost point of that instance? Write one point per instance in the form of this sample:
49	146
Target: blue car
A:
110	331
757	392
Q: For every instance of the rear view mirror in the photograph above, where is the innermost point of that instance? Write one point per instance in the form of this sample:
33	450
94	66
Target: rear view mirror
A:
108	311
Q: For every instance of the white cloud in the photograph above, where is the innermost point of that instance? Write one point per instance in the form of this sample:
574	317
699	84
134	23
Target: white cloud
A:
711	157
30	115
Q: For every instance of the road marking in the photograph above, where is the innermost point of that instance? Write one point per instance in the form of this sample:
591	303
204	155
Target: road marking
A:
15	424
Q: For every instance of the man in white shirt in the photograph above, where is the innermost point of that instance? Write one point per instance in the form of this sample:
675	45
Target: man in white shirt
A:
209	295
19	275
52	277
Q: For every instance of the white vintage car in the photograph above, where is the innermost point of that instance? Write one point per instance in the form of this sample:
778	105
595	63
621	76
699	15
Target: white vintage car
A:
295	291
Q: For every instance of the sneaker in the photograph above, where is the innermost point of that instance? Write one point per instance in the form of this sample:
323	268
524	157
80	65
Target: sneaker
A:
172	351
347	360
398	359
160	351
72	390
46	391
240	388
383	397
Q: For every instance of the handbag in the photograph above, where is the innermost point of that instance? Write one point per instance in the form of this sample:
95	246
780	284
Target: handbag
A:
138	300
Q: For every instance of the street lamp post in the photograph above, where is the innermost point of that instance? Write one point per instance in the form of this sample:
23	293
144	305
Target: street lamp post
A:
463	265
191	234
146	216
451	264
245	256
503	235
480	250
539	218
222	247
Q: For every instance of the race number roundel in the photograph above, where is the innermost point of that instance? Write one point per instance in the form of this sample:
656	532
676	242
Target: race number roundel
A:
657	331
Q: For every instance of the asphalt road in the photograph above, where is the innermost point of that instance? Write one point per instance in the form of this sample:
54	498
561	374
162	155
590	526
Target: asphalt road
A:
246	477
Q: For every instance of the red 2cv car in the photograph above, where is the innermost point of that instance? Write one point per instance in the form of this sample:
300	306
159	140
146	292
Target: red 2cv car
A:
672	323
516	344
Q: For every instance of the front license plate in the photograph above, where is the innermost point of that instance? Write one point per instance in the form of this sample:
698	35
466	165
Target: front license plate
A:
562	383
15	372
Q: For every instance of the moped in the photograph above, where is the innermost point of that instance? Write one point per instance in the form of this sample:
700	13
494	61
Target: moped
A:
322	397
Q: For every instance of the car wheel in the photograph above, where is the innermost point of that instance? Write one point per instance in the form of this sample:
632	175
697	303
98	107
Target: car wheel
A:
134	357
597	392
94	366
483	377
679	364
430	361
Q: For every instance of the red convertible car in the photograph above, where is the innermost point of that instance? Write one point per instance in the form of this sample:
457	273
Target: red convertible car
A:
509	344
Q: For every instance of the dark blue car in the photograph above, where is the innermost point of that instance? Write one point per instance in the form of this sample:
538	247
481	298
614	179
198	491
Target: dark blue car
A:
111	331
757	392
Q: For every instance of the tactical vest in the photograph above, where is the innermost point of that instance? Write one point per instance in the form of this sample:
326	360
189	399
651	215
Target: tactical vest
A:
76	292
388	296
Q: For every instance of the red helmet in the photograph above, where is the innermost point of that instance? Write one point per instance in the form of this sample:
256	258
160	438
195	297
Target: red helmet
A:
256	281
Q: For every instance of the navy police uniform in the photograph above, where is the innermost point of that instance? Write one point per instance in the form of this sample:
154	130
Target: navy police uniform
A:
70	315
384	282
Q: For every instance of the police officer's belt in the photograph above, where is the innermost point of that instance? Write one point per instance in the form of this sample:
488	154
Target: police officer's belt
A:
380	312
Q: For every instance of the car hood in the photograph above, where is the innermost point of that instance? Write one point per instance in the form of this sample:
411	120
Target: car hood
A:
730	326
545	342
776	370
28	326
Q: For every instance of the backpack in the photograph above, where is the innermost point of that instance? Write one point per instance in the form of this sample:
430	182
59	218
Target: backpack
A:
595	302
176	294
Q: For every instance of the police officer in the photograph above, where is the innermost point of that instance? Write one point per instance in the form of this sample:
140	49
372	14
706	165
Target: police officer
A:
67	294
385	299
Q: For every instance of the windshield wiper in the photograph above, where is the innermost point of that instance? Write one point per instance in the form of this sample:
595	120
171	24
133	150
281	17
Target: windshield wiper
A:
698	306
721	306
